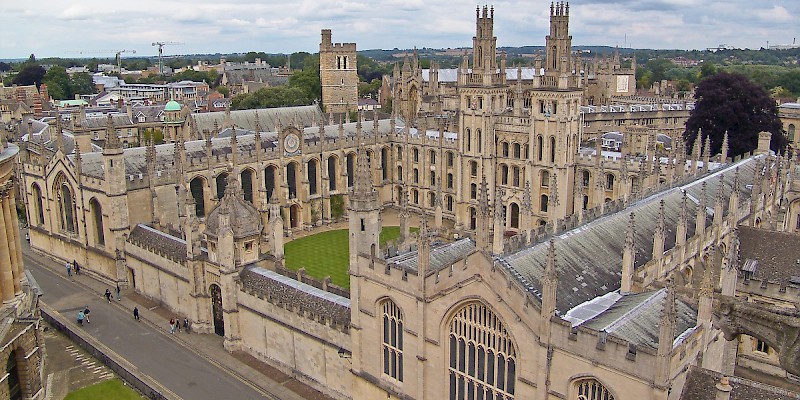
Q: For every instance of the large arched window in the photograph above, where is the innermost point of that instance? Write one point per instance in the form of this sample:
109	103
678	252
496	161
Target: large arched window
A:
270	174
222	183
311	172
66	205
791	132
385	163
552	149
514	222
543	203
609	181
37	198
196	187
351	165
332	162
291	179
482	362
392	340
591	389
247	184
97	217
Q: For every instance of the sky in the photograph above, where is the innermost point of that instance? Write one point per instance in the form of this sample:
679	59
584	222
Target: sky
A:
94	28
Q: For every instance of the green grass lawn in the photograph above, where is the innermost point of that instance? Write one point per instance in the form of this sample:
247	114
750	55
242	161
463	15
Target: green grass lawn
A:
328	253
110	389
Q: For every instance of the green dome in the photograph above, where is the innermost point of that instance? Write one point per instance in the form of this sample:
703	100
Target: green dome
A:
172	105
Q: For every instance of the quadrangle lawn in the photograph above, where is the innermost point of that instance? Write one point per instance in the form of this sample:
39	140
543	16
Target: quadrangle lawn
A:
328	253
110	389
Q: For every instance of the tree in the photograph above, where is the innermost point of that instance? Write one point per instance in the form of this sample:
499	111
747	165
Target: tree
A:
731	103
31	74
224	91
57	82
82	83
4	66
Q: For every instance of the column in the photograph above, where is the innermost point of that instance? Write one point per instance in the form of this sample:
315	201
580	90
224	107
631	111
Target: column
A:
6	275
19	267
13	244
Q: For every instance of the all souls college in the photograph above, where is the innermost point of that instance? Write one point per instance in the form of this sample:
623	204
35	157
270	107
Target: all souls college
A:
543	268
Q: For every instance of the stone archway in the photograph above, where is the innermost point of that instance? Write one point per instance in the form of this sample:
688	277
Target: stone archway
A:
216	309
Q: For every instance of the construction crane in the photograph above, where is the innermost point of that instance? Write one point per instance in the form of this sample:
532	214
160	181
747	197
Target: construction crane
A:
118	54
161	53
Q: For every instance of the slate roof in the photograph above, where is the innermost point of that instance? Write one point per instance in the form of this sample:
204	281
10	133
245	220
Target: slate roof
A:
635	318
701	385
287	292
158	242
101	121
135	161
268	118
589	263
779	267
240	76
442	255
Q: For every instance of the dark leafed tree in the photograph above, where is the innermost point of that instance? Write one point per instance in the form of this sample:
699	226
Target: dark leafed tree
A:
731	103
31	74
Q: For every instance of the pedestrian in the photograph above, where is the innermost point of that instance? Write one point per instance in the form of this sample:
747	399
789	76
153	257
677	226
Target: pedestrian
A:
69	269
28	237
86	312
76	267
118	290
108	295
172	325
186	325
178	324
81	316
136	313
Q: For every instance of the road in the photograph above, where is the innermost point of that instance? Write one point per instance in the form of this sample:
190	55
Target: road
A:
152	351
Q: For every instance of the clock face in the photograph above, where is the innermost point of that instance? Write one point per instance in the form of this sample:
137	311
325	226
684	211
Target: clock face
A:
291	143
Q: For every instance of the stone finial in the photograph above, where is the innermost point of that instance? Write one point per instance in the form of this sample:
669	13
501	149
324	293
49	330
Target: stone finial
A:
630	237
707	153
725	148
112	140
483	197
550	282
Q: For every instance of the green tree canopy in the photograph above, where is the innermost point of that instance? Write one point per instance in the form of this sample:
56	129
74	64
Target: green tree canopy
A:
30	74
732	103
82	83
57	82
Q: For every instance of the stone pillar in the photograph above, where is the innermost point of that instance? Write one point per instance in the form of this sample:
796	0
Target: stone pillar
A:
13	244
6	274
17	238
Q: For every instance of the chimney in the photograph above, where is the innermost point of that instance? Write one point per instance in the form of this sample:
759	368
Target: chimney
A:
723	388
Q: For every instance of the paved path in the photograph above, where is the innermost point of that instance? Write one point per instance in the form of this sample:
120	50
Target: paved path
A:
193	366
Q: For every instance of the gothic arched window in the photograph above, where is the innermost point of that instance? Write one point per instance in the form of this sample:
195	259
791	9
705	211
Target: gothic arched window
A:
591	389
66	205
482	356
97	214
37	196
392	340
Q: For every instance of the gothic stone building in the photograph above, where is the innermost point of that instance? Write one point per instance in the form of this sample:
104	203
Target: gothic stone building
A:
552	274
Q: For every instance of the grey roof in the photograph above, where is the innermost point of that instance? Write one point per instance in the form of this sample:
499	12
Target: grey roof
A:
288	292
158	242
701	385
268	118
441	256
451	74
635	318
101	121
136	163
264	75
757	248
589	263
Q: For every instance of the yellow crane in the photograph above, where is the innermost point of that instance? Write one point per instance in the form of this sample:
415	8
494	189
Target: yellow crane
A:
161	53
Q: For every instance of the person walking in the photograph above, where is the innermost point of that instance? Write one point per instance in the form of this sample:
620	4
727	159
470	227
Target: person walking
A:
136	313
69	269
108	295
178	324
76	267
81	316
86	312
172	325
186	325
118	290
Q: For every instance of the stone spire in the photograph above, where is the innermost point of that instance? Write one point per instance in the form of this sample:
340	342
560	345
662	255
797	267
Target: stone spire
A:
719	201
112	140
364	196
724	151
729	273
706	297
680	162
696	150
666	335
59	135
628	257
706	153
497	239
700	217
660	235
733	199
276	228
550	283
683	220
423	250
483	217
78	162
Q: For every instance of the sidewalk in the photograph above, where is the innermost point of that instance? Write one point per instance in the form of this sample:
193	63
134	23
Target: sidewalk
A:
246	368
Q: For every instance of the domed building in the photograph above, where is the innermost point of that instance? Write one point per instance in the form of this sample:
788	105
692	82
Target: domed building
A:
173	120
